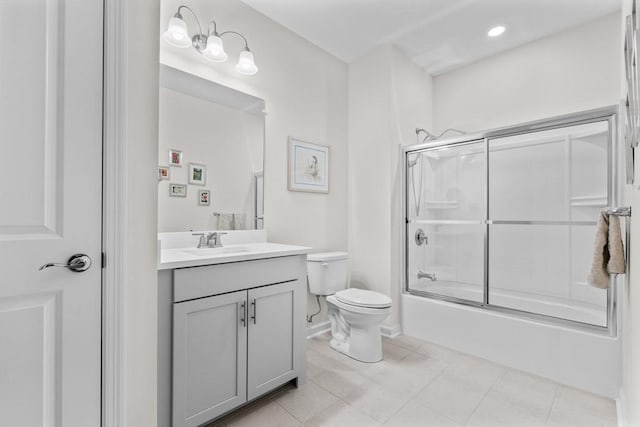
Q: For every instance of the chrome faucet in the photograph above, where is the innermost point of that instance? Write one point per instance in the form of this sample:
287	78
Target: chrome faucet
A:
430	276
203	240
209	240
215	236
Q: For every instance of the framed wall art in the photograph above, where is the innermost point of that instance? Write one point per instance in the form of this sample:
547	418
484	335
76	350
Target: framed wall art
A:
164	173
197	174
308	166
204	197
177	190
175	158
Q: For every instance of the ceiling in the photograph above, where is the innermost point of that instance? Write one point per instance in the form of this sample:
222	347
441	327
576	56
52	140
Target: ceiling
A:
439	35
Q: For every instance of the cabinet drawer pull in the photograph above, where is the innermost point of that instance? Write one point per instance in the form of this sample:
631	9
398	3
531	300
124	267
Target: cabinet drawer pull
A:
243	313
253	303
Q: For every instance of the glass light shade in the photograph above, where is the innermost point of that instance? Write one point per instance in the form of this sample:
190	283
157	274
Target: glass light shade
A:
176	34
245	64
215	49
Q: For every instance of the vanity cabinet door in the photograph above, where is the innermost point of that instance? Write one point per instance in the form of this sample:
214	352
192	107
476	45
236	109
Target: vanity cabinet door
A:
209	357
275	320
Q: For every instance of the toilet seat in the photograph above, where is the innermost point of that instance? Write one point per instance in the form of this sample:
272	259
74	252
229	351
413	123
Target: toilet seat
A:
367	311
363	298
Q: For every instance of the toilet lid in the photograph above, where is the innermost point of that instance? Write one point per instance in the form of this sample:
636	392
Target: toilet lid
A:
362	298
327	256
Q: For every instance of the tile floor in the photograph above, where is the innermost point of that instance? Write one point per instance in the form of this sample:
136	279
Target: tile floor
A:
420	384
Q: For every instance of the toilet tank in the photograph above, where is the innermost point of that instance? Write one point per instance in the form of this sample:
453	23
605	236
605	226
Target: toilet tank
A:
327	272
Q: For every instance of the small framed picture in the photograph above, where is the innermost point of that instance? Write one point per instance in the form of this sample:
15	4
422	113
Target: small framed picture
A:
177	190
308	166
175	158
197	174
204	197
163	173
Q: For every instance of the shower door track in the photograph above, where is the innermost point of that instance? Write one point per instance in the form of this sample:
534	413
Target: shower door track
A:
613	195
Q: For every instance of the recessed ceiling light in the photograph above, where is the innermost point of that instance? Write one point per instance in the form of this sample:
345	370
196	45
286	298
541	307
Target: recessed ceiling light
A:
496	31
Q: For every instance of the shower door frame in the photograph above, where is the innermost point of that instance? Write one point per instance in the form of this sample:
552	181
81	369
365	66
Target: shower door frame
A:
614	196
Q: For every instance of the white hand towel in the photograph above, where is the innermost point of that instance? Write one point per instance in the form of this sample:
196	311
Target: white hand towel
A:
238	221
225	221
608	255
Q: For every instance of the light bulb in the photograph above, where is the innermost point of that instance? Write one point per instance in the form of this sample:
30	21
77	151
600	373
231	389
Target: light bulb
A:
245	64
176	34
215	49
496	31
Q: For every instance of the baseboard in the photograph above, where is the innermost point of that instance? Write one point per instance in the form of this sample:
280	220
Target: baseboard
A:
390	331
318	329
621	409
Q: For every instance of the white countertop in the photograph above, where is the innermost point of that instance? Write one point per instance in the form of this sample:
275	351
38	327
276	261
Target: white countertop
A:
193	257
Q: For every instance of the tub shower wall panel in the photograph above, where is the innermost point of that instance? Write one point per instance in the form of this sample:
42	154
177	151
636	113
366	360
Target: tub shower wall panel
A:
455	253
531	260
527	183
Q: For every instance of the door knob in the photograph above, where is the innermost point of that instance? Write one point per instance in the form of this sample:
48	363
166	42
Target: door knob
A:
77	263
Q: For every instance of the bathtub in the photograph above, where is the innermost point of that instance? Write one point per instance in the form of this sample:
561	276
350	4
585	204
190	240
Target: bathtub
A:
583	359
575	310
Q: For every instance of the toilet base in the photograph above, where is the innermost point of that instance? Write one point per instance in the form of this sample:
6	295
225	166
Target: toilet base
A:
367	345
355	330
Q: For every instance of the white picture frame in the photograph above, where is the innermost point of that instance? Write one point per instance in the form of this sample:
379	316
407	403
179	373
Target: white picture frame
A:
204	197
175	158
177	190
164	173
308	168
197	174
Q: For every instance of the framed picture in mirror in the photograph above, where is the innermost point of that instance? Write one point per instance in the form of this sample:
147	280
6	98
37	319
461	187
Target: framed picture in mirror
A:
177	190
175	158
164	173
197	174
204	197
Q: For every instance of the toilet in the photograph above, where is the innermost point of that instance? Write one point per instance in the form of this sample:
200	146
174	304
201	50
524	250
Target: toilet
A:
355	314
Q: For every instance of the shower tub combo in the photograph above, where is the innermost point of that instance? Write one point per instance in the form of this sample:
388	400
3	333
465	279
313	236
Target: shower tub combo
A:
499	230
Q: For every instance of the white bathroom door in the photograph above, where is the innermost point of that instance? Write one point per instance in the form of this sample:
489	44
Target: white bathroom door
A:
50	209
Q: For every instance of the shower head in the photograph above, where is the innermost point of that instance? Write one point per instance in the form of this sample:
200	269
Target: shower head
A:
412	162
429	136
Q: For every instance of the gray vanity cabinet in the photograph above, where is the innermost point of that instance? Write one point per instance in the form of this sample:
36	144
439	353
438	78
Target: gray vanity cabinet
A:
209	357
237	332
271	359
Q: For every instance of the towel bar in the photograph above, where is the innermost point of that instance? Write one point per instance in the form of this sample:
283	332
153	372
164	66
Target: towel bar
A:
622	211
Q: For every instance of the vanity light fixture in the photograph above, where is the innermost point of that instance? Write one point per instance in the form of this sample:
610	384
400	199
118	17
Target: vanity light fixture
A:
210	45
496	31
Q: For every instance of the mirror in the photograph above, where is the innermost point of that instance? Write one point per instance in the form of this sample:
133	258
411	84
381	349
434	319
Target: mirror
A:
211	155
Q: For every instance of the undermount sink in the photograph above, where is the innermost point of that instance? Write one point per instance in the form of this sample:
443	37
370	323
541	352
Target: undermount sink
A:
215	251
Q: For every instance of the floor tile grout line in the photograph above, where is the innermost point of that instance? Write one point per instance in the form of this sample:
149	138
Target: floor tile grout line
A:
553	404
345	402
484	396
446	417
415	396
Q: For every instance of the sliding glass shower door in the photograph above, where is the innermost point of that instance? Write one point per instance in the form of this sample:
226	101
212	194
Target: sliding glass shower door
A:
507	219
546	191
447	209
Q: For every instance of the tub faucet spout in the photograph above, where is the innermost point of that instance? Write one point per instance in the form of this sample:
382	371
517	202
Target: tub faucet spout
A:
423	275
